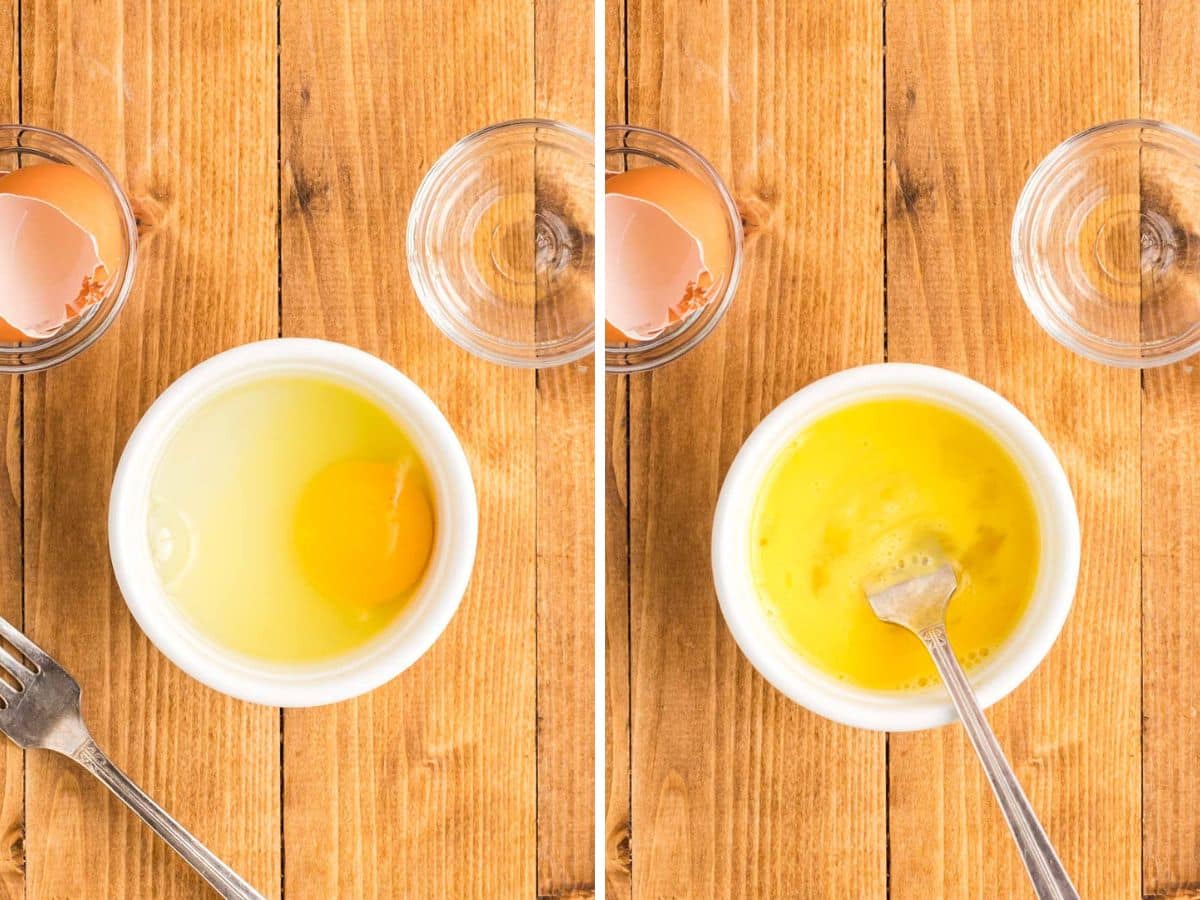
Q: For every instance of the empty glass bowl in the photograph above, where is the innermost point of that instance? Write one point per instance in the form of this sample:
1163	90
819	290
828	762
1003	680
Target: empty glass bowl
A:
627	147
22	146
500	243
1106	243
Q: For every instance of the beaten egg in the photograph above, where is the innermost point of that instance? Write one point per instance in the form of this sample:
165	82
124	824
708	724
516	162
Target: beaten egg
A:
866	490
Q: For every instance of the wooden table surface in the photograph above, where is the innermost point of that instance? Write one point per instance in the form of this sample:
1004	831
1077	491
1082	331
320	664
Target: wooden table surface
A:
877	155
271	151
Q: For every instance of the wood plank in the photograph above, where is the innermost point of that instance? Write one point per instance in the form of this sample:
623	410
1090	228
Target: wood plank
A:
564	72
615	71
12	760
10	62
425	787
565	641
737	792
977	93
1170	43
618	855
181	103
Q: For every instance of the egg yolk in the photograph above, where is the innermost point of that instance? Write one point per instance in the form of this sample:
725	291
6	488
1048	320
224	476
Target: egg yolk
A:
363	531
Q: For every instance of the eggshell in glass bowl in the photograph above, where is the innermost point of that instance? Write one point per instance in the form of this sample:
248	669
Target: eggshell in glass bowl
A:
60	237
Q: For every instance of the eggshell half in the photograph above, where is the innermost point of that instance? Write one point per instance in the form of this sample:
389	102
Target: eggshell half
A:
694	204
652	265
48	268
78	196
61	236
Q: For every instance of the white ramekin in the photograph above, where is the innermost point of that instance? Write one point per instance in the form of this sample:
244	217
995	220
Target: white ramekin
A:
388	653
763	644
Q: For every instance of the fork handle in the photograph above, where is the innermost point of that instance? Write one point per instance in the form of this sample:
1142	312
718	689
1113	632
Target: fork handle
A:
1050	879
224	880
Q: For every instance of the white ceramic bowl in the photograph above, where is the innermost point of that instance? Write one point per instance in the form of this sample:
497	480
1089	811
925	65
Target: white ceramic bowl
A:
763	644
388	653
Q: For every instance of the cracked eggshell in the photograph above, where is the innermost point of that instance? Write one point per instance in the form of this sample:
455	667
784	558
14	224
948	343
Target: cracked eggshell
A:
653	266
60	238
654	275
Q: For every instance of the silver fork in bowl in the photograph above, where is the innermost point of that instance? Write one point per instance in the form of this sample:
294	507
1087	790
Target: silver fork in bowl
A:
918	603
42	712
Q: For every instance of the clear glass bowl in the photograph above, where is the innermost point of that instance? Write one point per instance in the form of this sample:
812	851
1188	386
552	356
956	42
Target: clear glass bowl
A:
627	147
1106	243
22	146
500	243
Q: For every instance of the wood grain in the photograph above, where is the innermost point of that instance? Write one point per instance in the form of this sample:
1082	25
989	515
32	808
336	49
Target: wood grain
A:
180	101
12	761
10	61
428	785
736	791
565	655
1170	42
615	61
618	856
566	540
977	93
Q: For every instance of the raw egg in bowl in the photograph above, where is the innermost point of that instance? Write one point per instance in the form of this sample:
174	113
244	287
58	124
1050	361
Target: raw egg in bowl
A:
293	522
68	248
858	473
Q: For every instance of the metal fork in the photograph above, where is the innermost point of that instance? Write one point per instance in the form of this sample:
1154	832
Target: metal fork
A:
919	604
43	713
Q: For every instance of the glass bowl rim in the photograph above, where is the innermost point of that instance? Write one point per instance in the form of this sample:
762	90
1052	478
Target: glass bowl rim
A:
532	356
1059	326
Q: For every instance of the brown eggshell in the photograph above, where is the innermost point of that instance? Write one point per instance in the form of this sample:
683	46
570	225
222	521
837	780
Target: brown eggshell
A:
80	197
691	202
